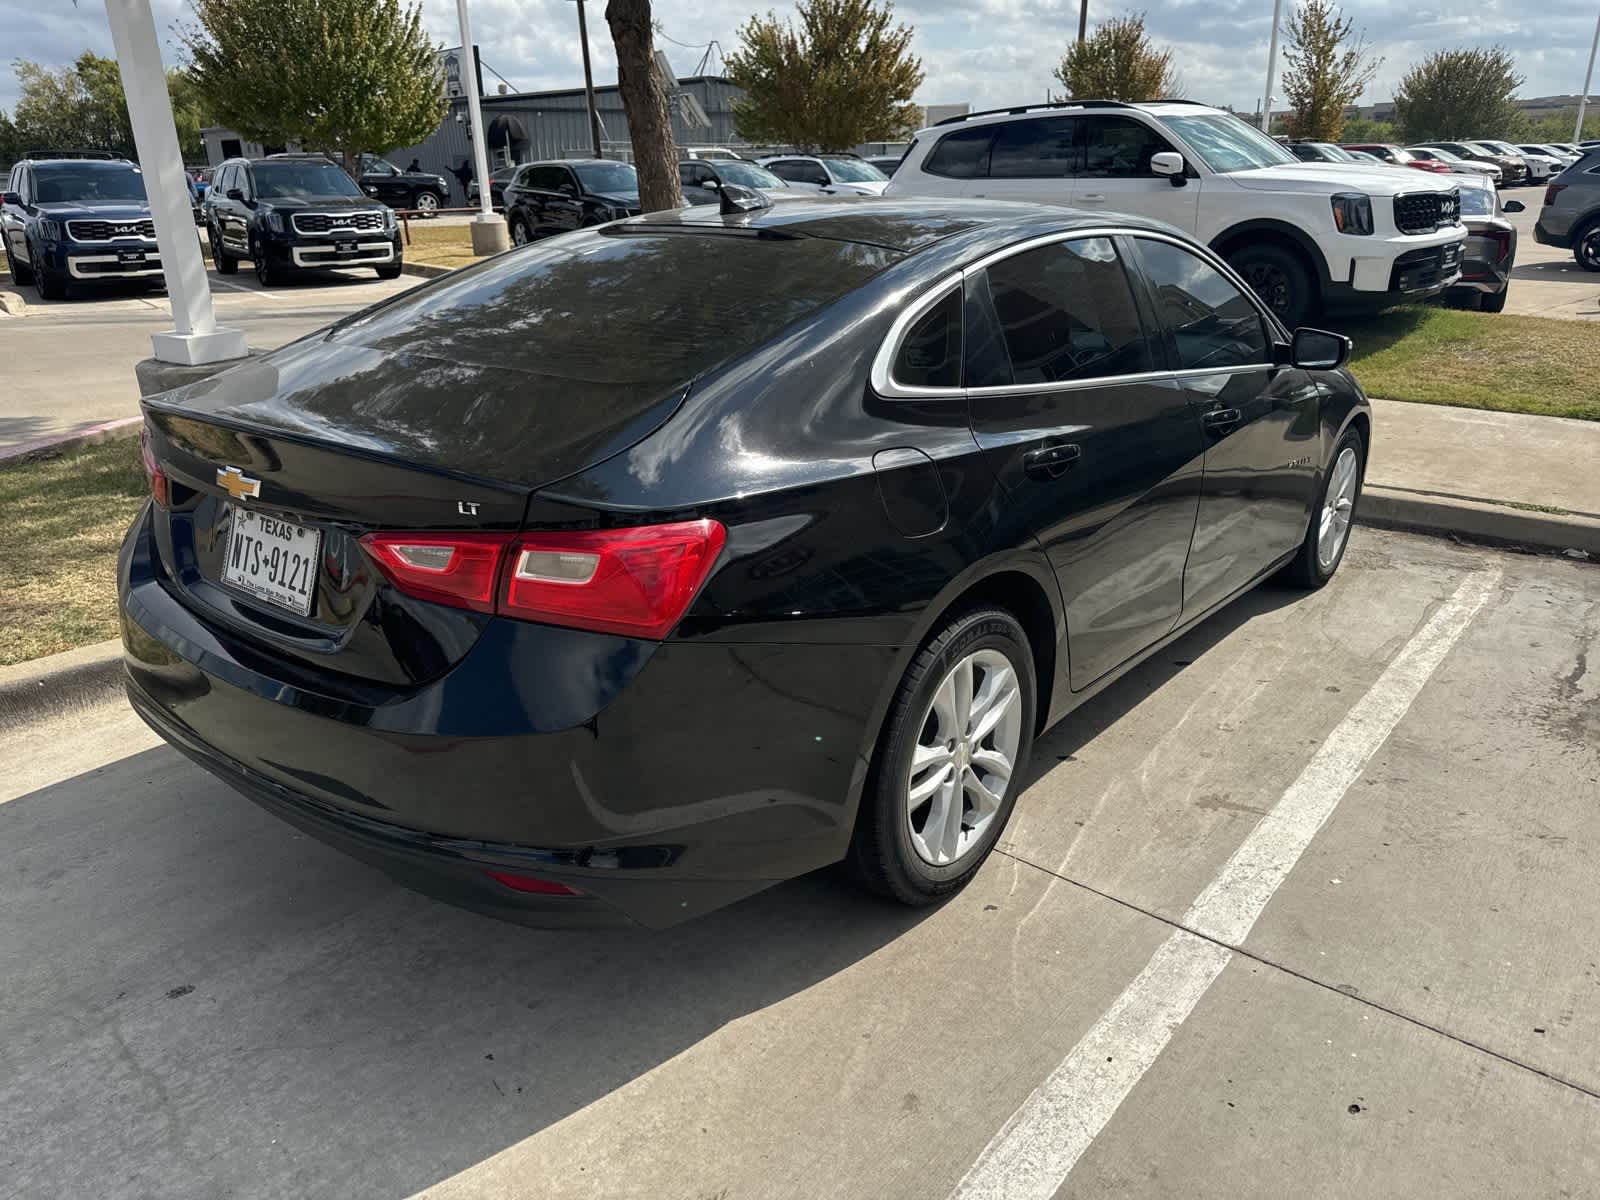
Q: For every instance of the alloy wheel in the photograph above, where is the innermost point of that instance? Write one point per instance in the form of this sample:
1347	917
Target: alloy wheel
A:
1589	251
519	234
1338	504
427	202
1270	283
962	763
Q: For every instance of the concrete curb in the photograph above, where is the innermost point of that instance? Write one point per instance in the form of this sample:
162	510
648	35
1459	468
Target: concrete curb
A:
1500	524
47	447
12	303
60	683
425	270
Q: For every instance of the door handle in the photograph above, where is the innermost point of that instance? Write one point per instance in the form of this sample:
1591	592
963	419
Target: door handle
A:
1220	421
1093	198
1051	462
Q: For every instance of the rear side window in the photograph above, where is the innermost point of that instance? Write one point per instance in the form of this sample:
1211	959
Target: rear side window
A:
1065	312
1045	148
1120	148
1213	324
930	354
798	170
963	154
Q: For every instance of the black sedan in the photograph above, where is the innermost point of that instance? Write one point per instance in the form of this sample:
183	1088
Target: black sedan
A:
1490	251
623	576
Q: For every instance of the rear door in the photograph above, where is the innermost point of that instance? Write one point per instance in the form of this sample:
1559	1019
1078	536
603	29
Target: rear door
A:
1115	173
560	210
1261	423
801	172
1093	442
1032	160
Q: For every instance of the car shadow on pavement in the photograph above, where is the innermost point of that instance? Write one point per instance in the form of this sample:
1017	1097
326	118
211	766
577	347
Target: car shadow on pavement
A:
200	1001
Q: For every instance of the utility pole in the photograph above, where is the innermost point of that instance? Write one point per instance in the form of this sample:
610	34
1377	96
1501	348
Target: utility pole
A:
1272	68
1083	20
488	230
588	82
1588	77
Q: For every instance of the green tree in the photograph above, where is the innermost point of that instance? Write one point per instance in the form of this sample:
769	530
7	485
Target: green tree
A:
843	77
1557	127
347	76
1363	129
1460	93
82	106
1119	62
1327	65
10	140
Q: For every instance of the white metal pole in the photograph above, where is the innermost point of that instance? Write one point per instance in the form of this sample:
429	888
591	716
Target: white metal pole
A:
1588	77
1272	68
196	339
480	155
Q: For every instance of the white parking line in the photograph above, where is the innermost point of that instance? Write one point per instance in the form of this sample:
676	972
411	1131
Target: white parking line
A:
1036	1149
247	291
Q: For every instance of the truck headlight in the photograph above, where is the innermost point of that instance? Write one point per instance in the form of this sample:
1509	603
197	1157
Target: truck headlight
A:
49	229
275	222
388	220
1352	212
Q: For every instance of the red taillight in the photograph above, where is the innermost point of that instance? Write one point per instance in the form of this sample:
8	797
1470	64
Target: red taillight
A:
1552	190
637	582
532	884
459	569
1502	239
160	489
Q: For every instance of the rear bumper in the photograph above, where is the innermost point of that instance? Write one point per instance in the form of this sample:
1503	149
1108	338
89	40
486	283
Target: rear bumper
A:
685	776
1546	236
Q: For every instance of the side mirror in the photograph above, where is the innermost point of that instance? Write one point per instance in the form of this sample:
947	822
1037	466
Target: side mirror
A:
235	194
1170	164
11	198
566	189
1318	350
1513	206
711	185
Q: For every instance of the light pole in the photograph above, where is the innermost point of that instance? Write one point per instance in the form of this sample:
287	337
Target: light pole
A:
488	229
1083	20
1272	68
1588	76
588	82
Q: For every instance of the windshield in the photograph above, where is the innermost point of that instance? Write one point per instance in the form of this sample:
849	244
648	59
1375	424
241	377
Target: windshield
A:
88	185
305	178
1336	153
853	170
1442	155
748	175
1226	144
608	177
1477	202
1483	148
1402	155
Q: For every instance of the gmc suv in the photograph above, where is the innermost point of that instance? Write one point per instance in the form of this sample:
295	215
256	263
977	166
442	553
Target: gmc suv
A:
73	220
1305	237
296	212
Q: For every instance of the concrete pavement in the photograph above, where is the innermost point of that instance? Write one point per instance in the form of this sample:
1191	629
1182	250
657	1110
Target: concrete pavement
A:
201	1002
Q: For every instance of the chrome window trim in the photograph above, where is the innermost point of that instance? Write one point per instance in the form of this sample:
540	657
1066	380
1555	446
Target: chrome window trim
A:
882	378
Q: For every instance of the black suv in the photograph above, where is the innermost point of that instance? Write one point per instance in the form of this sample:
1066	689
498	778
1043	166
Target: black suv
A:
296	212
71	220
555	197
417	190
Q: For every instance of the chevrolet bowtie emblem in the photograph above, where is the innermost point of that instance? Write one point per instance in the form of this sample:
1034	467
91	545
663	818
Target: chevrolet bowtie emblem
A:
237	484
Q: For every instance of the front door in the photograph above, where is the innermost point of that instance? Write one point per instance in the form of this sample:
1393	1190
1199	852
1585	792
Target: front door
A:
1261	422
1092	441
1114	174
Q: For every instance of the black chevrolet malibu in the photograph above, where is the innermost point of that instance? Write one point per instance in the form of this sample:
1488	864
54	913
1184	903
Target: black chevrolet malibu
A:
629	573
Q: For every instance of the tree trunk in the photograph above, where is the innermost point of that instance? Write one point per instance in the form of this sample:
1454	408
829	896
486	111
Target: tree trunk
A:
645	103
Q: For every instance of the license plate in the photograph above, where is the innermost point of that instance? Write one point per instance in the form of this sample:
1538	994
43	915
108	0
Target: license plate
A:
130	256
344	247
1452	256
272	559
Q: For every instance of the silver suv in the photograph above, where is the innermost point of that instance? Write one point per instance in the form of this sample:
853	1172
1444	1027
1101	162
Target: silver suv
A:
1570	217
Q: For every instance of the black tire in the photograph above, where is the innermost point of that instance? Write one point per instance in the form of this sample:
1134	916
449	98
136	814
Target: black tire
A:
1586	247
427	203
268	273
1308	570
390	270
225	263
882	857
520	227
1495	301
20	275
46	282
1280	278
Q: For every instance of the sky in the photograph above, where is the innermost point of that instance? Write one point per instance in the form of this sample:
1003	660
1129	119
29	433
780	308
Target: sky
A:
987	52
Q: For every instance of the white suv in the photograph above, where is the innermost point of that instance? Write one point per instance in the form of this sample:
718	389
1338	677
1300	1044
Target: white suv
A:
1305	237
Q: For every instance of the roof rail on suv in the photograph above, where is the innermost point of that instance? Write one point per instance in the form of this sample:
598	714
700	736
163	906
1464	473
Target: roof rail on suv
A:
1023	108
109	155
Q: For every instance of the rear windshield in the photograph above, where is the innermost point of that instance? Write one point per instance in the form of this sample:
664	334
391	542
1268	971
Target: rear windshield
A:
87	185
636	310
853	170
1478	202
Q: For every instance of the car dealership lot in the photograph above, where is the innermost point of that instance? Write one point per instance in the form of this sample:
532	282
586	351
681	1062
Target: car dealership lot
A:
69	363
200	1001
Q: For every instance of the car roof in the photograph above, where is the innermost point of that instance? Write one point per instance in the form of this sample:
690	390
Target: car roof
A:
906	224
104	164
